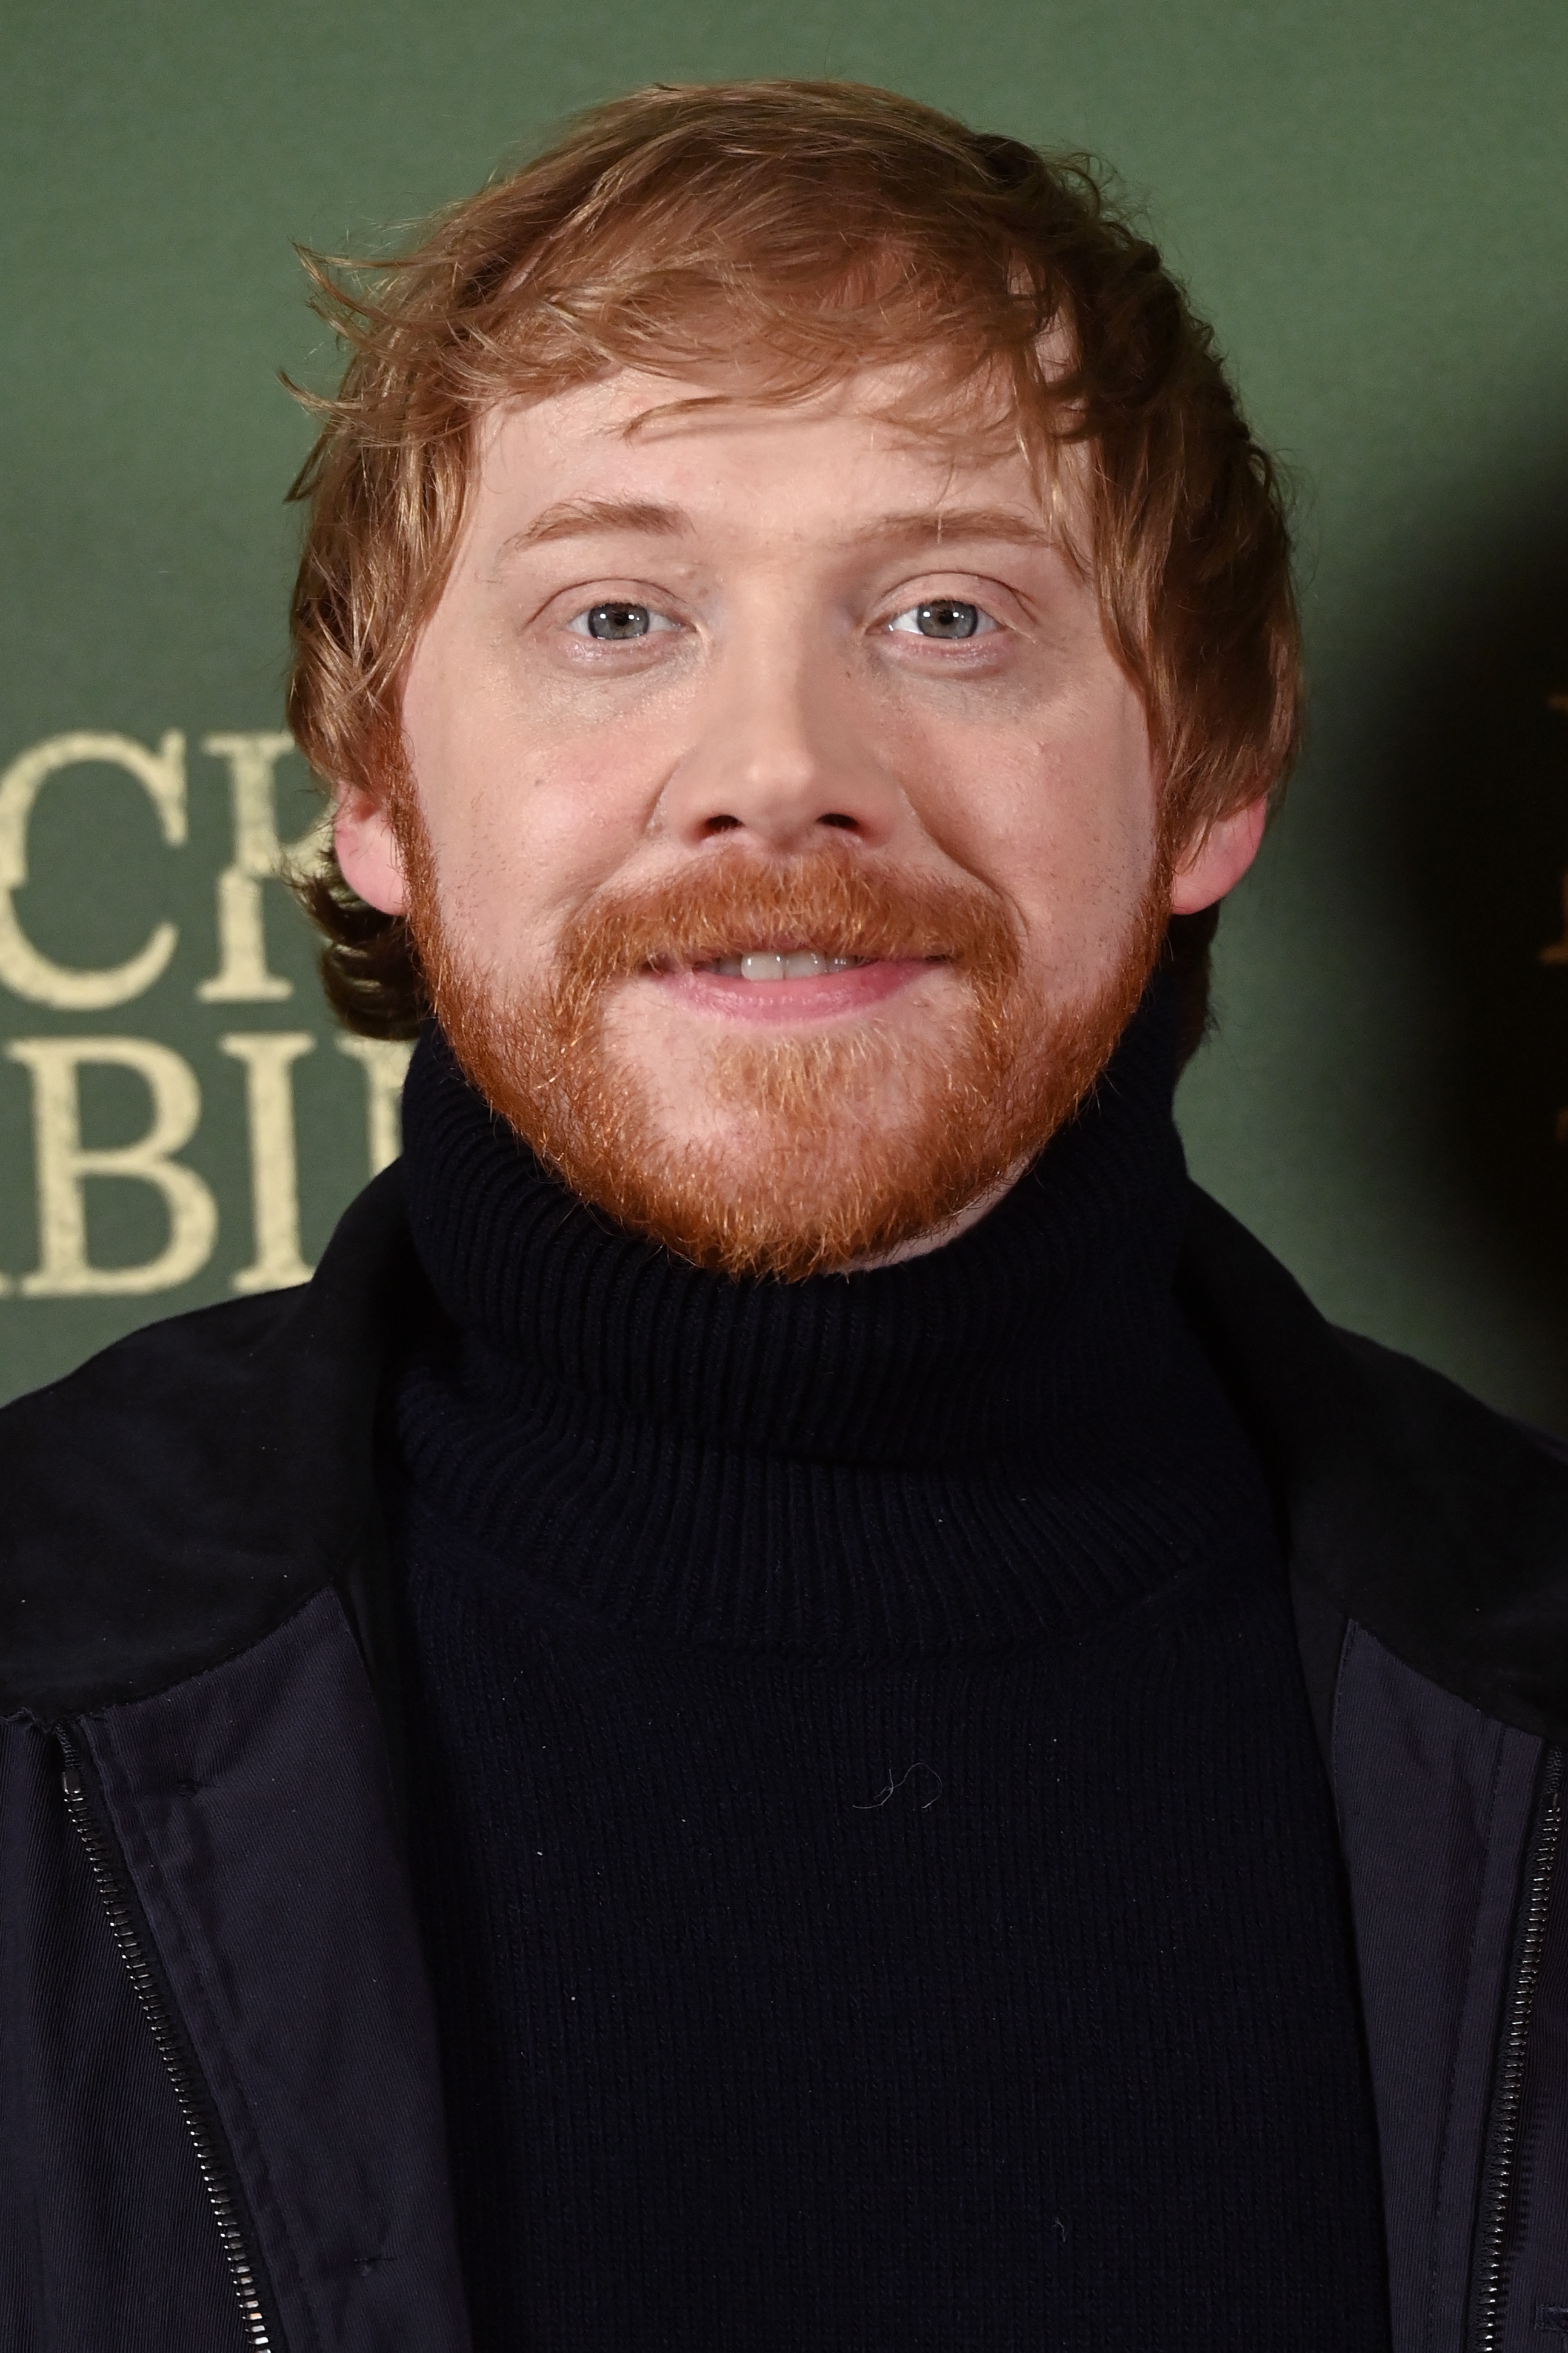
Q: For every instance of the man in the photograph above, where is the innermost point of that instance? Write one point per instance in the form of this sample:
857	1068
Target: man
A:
800	1702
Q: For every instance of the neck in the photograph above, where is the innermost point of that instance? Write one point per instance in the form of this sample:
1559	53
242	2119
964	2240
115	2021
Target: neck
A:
938	1237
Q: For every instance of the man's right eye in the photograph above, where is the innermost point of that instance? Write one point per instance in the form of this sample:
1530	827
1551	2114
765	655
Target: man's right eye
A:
615	621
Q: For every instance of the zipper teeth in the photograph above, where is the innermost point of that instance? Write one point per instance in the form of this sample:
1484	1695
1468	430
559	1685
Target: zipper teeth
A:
208	2162
1511	2067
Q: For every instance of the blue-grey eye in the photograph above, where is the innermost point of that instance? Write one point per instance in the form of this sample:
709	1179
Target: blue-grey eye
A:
945	616
618	620
940	616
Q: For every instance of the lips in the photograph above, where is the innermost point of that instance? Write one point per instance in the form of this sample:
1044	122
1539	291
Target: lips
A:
819	988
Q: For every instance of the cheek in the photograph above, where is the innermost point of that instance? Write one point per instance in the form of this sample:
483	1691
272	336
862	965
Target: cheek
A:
526	819
1063	822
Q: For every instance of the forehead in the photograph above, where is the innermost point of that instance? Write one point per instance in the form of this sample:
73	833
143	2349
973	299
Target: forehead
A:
886	434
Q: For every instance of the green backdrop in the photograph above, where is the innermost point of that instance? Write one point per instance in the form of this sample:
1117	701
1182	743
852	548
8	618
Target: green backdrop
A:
1371	201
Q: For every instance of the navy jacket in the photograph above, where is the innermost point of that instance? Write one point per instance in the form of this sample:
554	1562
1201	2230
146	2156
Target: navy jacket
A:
220	2107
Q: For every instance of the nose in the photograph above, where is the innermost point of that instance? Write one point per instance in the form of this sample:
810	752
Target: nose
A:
781	756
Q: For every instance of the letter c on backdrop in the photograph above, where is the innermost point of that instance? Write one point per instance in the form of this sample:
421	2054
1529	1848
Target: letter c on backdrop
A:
24	968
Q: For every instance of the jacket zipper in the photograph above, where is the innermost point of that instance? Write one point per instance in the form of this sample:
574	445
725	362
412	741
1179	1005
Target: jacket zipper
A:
190	2092
1502	2153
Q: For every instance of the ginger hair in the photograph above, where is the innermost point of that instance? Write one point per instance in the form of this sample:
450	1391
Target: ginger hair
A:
778	236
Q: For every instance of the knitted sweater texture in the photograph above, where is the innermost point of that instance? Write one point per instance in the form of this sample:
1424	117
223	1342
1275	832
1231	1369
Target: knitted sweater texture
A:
880	1884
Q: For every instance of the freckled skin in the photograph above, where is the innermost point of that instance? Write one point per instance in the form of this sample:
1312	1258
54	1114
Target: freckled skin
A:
782	694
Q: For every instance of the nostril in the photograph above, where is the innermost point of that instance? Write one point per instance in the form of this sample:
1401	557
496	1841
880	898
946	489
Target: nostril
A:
849	823
721	824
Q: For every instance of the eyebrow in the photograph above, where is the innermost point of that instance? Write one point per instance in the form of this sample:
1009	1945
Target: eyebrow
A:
590	518
596	518
943	524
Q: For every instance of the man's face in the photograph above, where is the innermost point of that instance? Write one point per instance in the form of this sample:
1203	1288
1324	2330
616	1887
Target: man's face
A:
784	847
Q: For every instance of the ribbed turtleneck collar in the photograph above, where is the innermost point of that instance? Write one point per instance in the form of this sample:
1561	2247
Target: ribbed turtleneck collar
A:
1037	1329
1008	1439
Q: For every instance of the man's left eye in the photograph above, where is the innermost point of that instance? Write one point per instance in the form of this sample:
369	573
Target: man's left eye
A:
943	616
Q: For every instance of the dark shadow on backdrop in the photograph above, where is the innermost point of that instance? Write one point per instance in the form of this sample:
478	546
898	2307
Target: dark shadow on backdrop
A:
1477	786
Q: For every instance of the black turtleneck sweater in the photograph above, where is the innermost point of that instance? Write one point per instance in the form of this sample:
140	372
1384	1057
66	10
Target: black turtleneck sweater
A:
880	1884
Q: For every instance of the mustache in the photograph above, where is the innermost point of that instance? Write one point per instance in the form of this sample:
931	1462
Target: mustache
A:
835	901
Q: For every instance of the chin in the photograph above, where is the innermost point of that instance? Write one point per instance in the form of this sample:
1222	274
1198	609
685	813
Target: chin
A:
748	1203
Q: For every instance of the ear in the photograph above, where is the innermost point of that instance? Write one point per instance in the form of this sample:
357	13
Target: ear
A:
1216	859
367	850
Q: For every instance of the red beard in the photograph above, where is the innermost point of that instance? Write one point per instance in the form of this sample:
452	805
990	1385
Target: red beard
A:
834	1147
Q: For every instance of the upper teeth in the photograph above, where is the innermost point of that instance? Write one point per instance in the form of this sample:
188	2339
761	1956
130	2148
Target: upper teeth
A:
802	964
